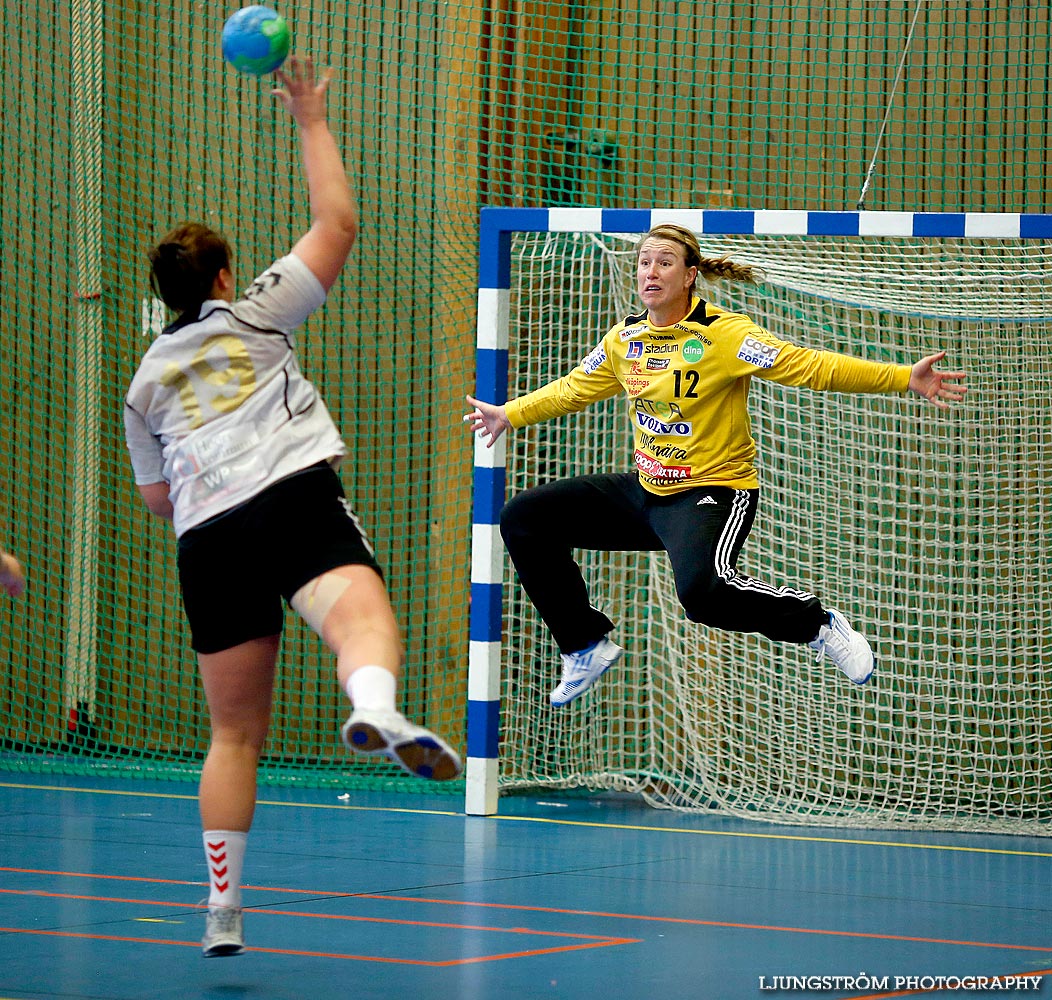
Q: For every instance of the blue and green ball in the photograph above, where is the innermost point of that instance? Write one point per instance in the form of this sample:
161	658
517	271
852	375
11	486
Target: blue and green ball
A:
255	40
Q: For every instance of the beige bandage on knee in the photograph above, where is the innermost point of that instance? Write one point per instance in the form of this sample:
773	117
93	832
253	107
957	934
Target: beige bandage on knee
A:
314	600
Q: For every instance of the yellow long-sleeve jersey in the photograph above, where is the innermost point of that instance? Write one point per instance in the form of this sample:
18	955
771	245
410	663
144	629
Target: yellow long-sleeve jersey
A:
689	386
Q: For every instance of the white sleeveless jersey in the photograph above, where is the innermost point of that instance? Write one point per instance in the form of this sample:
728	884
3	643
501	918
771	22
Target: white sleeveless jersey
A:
219	409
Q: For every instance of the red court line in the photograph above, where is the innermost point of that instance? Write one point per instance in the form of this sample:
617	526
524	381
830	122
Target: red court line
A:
588	940
447	963
40	893
600	938
97	937
718	923
869	935
119	878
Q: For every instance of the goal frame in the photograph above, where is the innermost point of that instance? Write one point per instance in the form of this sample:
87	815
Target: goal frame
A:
497	226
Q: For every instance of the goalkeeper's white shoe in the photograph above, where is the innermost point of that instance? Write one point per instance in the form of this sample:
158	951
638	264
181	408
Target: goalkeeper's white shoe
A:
390	734
582	669
224	932
845	647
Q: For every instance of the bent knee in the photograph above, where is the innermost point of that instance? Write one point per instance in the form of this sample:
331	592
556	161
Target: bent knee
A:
518	515
703	599
316	598
344	601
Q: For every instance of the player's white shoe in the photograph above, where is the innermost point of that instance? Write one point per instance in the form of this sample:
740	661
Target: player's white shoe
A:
845	647
583	668
417	750
224	932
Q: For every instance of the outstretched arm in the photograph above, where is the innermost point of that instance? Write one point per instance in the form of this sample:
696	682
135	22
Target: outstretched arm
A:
937	386
334	215
486	419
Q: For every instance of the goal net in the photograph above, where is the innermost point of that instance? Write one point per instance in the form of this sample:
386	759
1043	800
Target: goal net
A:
929	529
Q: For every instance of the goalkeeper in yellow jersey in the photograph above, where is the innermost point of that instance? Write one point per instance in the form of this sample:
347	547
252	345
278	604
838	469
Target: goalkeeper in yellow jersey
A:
686	365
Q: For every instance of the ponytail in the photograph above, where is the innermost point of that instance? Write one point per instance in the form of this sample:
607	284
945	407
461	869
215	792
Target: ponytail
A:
710	268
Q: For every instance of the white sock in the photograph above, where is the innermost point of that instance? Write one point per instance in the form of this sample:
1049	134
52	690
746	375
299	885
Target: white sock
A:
225	855
372	688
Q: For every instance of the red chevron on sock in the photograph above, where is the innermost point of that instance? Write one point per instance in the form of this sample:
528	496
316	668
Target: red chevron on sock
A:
217	845
219	872
223	887
216	858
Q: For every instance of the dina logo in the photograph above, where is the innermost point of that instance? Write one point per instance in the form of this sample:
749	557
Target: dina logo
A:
693	350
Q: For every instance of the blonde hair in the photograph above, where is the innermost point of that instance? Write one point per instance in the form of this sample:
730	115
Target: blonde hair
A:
711	268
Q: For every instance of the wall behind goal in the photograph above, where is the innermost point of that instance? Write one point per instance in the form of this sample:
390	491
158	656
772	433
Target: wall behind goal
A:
125	120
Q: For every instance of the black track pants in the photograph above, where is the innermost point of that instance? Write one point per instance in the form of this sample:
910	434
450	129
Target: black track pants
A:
701	529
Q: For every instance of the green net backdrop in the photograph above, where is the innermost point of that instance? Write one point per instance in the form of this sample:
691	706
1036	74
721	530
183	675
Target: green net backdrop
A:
123	119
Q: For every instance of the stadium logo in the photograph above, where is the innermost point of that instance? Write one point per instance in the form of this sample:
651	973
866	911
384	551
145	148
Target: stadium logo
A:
635	349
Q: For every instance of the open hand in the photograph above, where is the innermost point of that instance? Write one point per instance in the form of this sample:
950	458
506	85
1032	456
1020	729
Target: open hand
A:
486	420
301	92
942	388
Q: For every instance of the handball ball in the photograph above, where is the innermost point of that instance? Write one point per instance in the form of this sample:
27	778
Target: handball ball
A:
255	40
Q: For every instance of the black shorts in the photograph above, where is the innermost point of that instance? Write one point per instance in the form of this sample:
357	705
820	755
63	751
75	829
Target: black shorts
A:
235	569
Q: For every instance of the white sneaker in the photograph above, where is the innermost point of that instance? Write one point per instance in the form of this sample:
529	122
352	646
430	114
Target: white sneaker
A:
224	932
847	648
419	751
582	669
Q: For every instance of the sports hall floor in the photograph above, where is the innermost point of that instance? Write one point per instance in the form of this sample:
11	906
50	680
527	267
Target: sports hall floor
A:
402	897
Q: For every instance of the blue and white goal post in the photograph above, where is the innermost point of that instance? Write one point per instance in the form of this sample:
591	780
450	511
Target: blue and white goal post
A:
497	228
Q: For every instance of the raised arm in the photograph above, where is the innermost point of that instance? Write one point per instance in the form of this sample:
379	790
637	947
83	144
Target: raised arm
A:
334	214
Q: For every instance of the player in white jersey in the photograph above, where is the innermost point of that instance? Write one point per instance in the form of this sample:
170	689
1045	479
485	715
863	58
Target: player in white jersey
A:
218	409
686	366
231	442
